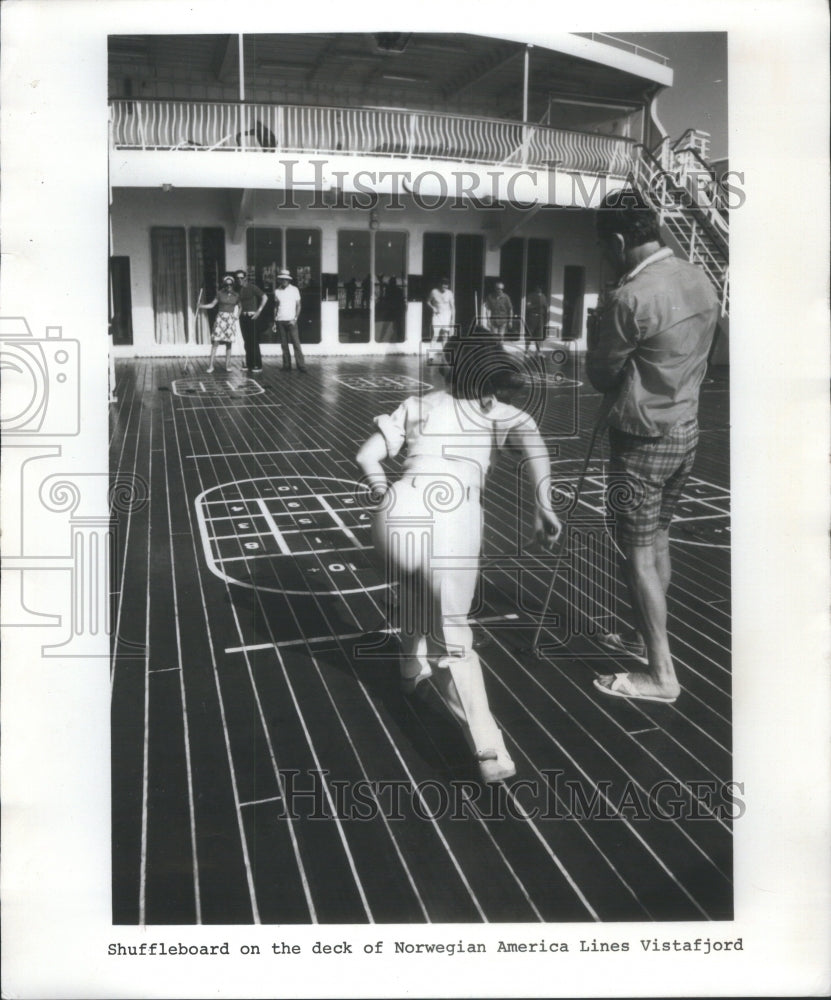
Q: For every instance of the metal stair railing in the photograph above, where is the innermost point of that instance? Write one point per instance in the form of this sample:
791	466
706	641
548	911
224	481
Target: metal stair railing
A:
698	229
690	171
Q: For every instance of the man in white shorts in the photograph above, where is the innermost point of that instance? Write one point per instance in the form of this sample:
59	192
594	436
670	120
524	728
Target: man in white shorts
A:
443	305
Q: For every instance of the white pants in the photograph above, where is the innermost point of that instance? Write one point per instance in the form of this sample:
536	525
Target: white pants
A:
430	534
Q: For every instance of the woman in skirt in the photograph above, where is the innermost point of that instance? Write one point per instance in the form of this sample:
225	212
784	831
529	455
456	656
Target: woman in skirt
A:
428	524
226	324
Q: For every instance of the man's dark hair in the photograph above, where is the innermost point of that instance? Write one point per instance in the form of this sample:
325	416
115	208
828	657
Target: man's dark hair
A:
626	212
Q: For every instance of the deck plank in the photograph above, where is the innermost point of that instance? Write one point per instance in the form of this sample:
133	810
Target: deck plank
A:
226	687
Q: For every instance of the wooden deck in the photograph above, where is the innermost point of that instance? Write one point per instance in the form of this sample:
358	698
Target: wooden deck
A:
266	767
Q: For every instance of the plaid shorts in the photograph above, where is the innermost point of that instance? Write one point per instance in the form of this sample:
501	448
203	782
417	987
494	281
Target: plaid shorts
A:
647	476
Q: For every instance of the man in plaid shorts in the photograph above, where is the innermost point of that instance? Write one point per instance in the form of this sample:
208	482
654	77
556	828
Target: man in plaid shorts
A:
647	352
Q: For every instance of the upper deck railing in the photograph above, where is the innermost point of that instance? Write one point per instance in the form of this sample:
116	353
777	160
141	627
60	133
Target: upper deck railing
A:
193	125
625	44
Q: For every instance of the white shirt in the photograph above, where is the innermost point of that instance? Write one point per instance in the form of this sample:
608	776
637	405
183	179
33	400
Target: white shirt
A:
288	300
443	433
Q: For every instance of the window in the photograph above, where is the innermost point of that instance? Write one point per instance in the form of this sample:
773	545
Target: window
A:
468	278
461	258
355	286
525	265
436	263
264	255
267	248
169	280
574	288
121	308
391	286
206	250
303	260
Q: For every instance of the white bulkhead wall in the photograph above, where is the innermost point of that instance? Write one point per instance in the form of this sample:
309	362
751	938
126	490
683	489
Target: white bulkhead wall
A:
135	211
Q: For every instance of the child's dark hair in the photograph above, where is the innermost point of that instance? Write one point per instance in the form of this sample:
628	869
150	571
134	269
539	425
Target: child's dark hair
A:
480	366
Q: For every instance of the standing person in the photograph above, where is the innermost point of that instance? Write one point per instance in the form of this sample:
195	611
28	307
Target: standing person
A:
226	324
252	303
396	308
536	318
351	287
449	436
498	310
286	314
647	352
443	306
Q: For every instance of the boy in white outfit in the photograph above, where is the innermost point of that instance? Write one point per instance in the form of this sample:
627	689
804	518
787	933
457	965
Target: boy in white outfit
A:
428	524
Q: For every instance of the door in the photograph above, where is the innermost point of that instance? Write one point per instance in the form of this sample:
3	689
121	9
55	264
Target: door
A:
303	260
121	320
470	274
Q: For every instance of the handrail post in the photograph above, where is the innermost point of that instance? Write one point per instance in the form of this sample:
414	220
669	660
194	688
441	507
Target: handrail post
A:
140	117
692	241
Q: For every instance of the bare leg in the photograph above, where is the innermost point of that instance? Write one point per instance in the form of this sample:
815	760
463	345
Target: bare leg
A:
662	557
664	569
647	575
213	358
460	679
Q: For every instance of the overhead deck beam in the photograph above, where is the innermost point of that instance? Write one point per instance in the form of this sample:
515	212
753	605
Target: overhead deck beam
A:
241	212
483	69
224	60
320	62
601	53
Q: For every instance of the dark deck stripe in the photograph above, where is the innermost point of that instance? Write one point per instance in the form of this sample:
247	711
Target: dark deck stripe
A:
297	706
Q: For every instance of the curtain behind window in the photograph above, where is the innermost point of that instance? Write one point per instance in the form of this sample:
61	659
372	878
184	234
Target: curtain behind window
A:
207	265
167	249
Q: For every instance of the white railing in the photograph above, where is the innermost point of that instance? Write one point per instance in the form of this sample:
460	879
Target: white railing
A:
698	227
665	175
691	172
188	125
623	43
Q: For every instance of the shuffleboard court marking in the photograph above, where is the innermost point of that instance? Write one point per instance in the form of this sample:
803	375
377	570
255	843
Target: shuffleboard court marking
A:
215	387
375	383
699	517
276	499
317	639
278	535
694	565
262	802
240	454
555	381
300	552
195	408
339	522
704	545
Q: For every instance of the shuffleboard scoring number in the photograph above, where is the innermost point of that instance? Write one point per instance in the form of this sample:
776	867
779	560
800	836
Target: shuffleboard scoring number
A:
313	515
